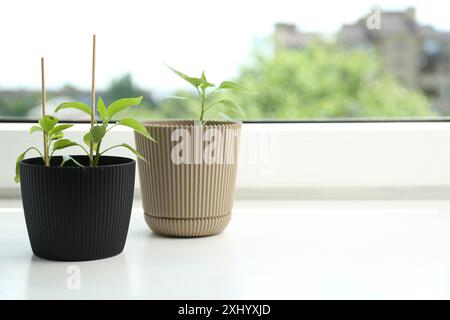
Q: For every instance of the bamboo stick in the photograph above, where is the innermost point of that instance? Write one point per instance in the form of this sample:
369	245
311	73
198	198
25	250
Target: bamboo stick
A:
91	146
43	97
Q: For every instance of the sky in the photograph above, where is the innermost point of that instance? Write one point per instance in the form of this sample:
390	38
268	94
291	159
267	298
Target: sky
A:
139	36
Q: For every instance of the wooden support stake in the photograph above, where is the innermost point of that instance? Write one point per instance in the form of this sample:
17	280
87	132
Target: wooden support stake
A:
43	97
91	146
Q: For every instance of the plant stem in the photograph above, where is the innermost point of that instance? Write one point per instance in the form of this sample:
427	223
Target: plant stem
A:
114	125
97	154
37	150
110	148
84	149
202	112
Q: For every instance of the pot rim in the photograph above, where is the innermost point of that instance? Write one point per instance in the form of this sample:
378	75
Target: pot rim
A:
190	123
125	162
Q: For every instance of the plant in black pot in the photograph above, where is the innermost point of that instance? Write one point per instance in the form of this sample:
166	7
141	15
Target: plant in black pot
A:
78	207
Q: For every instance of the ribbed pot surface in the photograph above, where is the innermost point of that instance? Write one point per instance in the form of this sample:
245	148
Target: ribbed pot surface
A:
77	213
192	197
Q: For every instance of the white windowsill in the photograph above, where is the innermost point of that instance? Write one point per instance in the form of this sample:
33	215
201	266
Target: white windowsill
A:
270	250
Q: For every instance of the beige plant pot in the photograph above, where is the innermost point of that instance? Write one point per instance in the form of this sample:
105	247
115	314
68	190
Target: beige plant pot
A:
188	183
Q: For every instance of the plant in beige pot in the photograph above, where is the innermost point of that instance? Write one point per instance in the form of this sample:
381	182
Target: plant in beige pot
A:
188	183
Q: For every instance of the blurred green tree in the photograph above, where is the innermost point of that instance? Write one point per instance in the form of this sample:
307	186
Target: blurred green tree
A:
124	86
321	81
16	105
325	81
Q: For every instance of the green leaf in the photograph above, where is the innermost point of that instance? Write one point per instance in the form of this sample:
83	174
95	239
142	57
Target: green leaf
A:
225	116
35	129
122	104
102	110
126	145
229	104
20	158
136	126
87	138
230	85
196	82
97	133
64	143
69	158
74	105
205	84
57	136
59	128
47	123
137	153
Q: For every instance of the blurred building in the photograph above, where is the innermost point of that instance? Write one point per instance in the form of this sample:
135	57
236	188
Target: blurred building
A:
289	37
419	56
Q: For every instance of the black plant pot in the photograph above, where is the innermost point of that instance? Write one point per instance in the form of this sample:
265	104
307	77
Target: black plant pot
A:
77	213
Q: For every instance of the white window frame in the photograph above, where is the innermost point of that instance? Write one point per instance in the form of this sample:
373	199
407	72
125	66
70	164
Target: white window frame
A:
407	160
